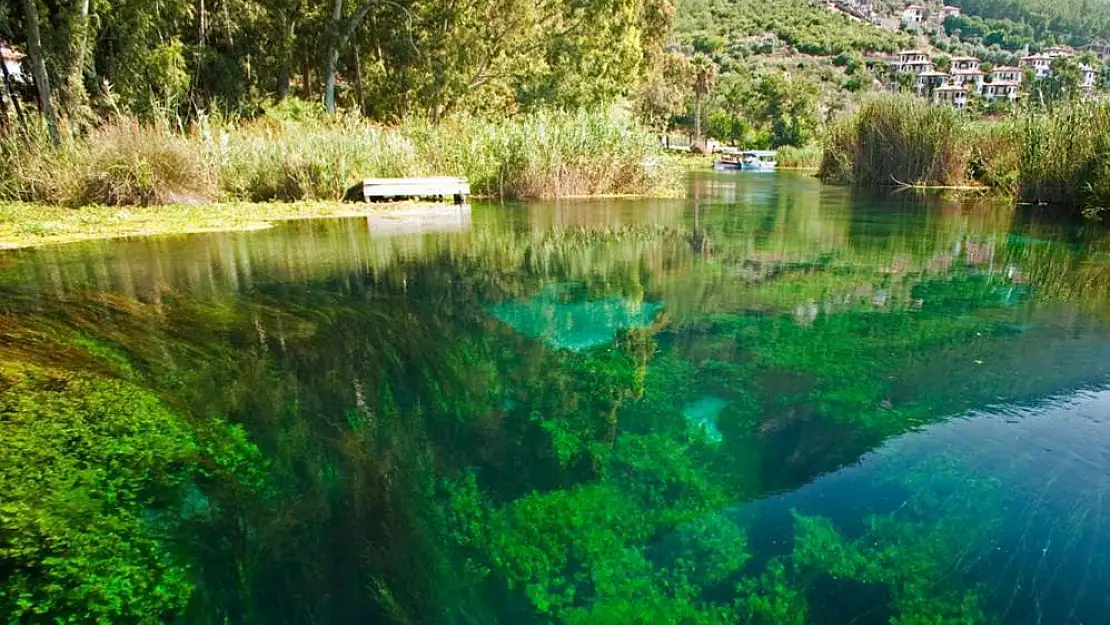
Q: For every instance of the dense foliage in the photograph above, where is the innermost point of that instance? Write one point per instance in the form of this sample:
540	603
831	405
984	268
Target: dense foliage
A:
1074	22
389	59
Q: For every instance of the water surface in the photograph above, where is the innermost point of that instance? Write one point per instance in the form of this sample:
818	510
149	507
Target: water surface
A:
772	402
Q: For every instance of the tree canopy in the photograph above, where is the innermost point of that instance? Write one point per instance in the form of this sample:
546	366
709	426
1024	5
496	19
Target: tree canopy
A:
389	58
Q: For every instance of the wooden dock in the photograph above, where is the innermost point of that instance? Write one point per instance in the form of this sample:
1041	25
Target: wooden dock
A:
395	189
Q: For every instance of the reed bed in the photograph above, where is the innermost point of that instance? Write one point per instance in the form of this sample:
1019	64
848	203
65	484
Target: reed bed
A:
1065	157
1059	157
808	157
293	152
893	140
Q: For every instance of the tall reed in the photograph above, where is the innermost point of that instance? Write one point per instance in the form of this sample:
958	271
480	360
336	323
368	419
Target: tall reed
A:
294	152
1065	157
897	139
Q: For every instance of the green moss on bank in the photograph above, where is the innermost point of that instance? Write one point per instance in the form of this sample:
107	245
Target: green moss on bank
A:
29	225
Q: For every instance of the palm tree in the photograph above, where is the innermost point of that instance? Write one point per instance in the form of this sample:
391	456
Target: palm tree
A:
705	78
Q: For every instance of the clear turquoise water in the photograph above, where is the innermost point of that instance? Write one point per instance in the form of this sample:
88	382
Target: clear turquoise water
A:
772	402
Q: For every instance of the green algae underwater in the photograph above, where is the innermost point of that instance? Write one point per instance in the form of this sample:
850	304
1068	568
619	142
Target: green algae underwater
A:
774	402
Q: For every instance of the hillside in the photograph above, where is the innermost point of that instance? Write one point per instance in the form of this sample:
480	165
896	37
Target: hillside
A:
1040	22
785	67
746	26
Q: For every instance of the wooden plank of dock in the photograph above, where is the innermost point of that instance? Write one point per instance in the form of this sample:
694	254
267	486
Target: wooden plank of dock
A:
406	188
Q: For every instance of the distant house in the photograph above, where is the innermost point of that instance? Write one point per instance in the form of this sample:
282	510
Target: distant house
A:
913	15
952	95
1055	51
928	81
961	63
971	78
950	11
1041	64
1001	90
913	61
1088	77
1007	73
1100	48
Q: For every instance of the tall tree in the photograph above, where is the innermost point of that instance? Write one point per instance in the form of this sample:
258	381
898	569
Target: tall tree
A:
38	66
705	78
663	94
341	30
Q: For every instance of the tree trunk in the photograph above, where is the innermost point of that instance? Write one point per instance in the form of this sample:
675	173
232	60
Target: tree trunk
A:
202	24
341	32
697	121
287	49
306	76
358	79
333	56
77	95
38	67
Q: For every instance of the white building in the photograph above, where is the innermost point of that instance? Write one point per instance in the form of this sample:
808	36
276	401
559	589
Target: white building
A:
951	95
951	11
961	63
1001	90
971	78
1007	73
13	61
1040	63
927	81
1088	77
913	15
913	61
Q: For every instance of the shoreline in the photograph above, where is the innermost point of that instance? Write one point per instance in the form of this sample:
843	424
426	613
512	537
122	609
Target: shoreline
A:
27	225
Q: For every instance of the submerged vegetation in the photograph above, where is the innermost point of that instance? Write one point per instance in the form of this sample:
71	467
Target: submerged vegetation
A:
305	425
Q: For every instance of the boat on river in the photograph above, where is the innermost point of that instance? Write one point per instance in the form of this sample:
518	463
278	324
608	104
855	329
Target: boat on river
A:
748	160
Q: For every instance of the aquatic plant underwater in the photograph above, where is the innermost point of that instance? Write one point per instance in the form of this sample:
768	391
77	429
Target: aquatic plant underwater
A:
531	427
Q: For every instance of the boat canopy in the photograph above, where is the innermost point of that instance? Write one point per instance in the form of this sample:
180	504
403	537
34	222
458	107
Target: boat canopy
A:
759	153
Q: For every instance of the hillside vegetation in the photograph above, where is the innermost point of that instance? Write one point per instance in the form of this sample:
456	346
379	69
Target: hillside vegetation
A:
744	27
1074	22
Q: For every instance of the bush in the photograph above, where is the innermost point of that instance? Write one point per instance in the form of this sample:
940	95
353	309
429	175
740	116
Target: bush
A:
121	163
128	163
808	157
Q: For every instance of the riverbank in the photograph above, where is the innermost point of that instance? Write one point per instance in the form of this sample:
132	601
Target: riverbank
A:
29	225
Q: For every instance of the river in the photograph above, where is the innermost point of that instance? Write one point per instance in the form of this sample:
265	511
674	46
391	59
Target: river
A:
773	401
